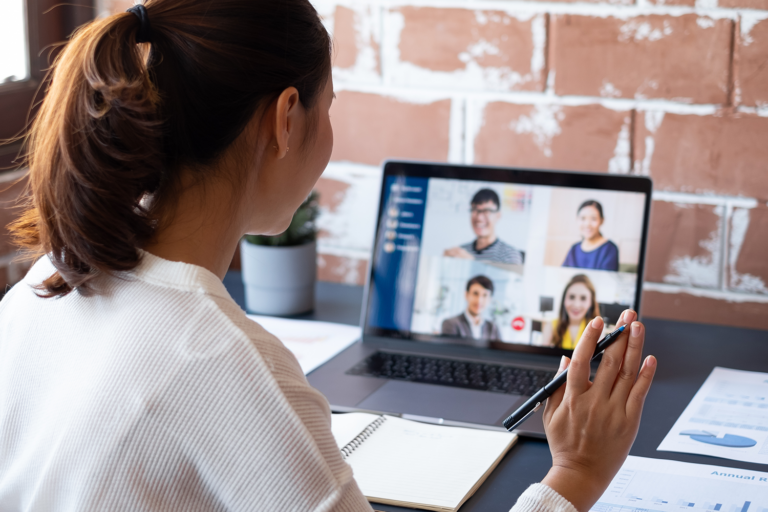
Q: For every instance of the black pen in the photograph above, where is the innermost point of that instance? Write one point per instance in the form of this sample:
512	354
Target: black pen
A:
532	404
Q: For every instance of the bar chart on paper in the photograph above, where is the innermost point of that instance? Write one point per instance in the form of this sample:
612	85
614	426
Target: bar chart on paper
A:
651	485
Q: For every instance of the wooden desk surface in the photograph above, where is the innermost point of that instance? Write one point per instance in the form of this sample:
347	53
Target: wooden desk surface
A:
686	353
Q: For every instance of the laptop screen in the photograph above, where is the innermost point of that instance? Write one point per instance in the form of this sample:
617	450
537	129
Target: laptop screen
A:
502	258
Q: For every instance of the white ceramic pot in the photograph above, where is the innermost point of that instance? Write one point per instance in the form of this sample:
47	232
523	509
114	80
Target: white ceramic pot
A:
279	280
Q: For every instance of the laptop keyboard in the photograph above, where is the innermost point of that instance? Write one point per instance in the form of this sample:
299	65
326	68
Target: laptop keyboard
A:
450	372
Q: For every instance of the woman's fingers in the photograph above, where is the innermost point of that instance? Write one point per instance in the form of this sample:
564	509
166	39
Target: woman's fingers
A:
627	317
578	372
554	401
636	398
613	357
632	359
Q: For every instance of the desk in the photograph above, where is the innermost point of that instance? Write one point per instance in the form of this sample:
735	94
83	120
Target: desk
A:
686	353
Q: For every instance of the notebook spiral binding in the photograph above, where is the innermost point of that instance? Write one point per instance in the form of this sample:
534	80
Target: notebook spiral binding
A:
362	436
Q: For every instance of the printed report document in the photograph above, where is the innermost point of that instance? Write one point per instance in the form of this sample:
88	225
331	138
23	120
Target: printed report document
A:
652	485
313	343
727	418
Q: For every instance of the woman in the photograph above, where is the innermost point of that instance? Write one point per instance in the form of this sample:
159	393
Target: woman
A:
578	306
594	251
129	379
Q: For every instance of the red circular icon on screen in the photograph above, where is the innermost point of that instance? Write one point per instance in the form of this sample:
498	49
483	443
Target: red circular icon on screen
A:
518	323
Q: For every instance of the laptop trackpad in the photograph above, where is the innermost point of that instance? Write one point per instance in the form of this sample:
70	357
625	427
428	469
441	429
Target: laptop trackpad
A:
449	403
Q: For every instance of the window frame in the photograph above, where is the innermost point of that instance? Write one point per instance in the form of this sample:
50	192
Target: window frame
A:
48	23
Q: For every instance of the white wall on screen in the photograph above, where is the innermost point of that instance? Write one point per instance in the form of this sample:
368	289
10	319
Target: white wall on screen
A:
537	241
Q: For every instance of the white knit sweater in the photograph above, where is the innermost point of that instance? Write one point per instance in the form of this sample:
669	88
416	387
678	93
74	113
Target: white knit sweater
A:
158	394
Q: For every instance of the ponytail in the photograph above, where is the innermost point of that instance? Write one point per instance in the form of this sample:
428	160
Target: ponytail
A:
120	119
94	151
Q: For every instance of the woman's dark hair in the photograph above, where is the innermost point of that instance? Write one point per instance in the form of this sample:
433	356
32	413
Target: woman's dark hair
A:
482	281
485	195
563	320
593	203
121	119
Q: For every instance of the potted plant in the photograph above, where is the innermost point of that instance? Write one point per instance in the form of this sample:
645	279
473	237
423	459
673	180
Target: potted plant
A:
279	272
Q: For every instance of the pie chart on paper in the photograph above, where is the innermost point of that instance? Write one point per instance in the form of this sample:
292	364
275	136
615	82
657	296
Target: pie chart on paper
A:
727	440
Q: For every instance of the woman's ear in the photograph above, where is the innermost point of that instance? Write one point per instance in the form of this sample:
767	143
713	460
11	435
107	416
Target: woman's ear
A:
287	112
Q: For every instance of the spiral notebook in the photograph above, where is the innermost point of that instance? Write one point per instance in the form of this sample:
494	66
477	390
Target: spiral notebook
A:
419	465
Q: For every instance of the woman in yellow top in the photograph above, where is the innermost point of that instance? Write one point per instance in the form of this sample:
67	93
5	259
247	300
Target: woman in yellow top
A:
577	307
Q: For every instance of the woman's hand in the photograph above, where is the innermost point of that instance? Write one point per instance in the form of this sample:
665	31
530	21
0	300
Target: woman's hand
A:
591	425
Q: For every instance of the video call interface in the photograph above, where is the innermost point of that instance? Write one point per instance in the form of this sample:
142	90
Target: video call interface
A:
498	265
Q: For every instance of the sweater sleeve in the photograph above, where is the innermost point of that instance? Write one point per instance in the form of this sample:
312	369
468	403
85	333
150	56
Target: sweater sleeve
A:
542	498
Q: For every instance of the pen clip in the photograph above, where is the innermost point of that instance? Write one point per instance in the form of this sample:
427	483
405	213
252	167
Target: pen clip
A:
513	427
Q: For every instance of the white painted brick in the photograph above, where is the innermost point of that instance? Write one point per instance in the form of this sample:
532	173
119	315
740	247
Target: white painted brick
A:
351	227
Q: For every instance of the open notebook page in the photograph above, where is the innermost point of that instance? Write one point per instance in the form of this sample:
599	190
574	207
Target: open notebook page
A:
430	466
346	427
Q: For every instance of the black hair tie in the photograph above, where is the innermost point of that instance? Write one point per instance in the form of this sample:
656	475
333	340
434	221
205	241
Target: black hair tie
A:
145	31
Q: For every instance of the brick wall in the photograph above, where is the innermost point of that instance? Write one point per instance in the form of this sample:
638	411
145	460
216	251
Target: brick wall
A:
676	90
673	89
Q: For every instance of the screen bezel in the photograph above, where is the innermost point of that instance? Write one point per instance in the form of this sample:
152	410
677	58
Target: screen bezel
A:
514	175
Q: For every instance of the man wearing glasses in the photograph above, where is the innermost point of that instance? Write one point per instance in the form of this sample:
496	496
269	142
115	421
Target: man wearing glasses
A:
485	213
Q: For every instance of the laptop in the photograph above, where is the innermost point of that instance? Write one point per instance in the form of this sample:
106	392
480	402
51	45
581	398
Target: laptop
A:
481	278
